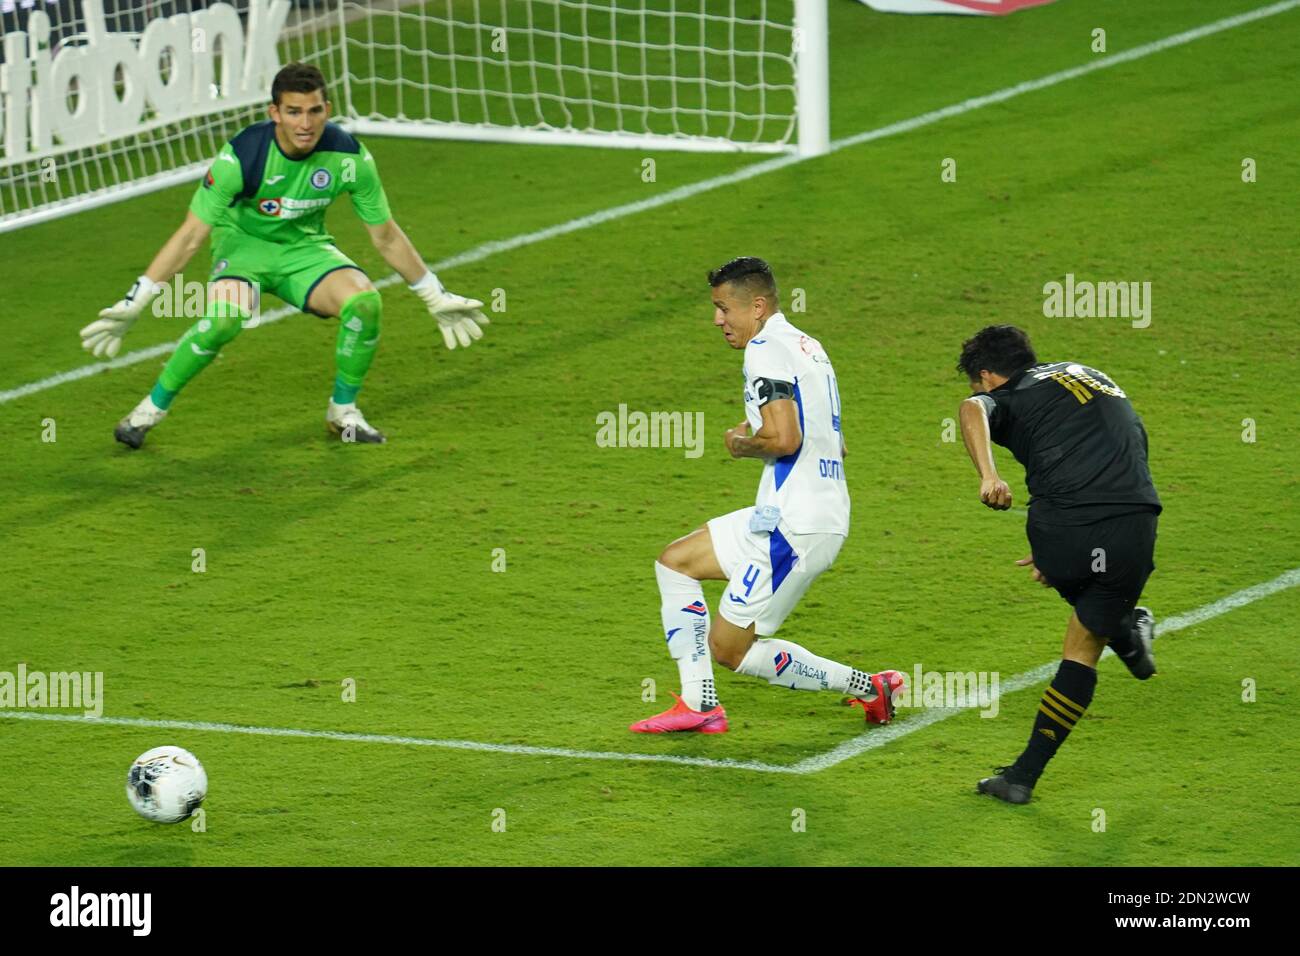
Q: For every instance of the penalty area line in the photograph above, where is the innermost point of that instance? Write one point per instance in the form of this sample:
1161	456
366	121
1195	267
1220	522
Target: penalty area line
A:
495	247
870	740
209	727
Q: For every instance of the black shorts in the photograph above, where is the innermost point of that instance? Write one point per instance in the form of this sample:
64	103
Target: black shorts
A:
1099	568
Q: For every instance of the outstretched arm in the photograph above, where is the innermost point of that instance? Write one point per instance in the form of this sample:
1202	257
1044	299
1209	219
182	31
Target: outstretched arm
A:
177	251
459	318
994	492
392	243
103	337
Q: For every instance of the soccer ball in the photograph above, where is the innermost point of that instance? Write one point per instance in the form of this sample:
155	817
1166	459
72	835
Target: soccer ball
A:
166	784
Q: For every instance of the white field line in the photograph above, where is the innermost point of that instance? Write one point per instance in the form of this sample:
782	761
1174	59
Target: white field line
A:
870	740
1031	678
488	249
206	726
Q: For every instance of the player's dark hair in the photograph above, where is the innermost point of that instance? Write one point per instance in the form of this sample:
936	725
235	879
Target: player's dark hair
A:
748	272
298	78
1002	349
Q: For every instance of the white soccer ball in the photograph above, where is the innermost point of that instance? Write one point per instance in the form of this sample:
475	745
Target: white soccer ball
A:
166	784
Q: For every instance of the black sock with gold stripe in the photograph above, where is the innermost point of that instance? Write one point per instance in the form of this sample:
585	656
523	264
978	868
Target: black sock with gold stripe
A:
1061	706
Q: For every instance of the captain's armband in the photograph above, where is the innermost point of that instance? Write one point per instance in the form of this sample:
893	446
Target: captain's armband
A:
768	390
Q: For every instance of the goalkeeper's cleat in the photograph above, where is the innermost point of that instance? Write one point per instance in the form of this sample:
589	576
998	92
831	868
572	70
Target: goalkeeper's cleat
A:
1002	788
1140	661
131	430
879	709
681	717
349	424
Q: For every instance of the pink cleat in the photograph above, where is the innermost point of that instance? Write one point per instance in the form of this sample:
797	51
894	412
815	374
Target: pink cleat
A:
681	717
880	709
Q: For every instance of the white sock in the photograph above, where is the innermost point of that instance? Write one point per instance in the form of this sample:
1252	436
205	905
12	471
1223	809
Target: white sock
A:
789	665
146	413
686	625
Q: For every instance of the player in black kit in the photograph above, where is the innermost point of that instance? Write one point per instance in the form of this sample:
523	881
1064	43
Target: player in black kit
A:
1092	517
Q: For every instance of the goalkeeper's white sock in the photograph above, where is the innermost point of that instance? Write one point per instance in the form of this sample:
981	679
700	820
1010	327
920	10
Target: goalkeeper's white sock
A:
789	665
686	625
146	414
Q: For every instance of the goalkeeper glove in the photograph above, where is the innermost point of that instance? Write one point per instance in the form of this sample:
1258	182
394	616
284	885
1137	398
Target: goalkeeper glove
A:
104	337
458	317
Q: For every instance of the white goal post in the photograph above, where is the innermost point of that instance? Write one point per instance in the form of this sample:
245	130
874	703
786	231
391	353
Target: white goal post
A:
105	99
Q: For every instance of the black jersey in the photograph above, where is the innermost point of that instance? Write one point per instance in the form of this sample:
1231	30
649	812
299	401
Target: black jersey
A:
1083	446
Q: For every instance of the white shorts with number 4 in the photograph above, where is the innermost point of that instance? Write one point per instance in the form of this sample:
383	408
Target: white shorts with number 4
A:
767	572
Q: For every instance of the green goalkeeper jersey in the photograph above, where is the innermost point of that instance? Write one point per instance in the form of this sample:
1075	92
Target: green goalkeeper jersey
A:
255	188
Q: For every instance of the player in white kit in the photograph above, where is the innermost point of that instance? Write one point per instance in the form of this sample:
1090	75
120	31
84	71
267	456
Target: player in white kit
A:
770	553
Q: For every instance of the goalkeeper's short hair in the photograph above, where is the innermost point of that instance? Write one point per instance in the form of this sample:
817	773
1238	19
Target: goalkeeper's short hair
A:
298	78
750	273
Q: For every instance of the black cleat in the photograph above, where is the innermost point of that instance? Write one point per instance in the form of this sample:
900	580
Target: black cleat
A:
131	437
1002	788
131	430
1140	661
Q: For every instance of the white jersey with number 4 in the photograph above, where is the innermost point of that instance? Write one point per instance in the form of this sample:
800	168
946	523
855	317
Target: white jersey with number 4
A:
808	485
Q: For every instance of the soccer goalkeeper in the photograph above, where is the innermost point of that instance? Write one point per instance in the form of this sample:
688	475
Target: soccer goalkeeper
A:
263	202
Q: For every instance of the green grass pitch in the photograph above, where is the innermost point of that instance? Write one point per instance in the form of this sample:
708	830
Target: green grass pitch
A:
375	564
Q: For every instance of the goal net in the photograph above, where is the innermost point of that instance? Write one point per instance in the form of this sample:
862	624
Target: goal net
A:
103	99
686	74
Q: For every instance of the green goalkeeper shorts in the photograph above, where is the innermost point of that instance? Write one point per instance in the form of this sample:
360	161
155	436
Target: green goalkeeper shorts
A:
291	272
